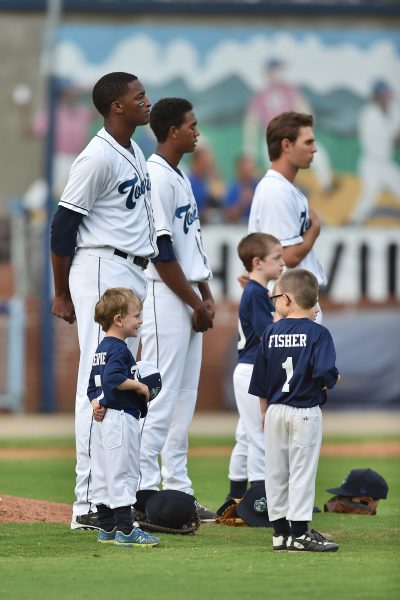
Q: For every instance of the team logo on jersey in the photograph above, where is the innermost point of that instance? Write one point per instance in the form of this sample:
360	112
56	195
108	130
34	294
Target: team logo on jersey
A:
305	222
189	214
136	188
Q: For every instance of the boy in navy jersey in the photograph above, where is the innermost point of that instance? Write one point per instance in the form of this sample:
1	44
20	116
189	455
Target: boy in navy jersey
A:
261	255
118	400
294	366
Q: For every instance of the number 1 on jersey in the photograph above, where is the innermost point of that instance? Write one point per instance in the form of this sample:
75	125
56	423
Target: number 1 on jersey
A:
288	366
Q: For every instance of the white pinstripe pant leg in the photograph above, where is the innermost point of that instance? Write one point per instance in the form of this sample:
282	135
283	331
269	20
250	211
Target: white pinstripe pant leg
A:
250	415
238	460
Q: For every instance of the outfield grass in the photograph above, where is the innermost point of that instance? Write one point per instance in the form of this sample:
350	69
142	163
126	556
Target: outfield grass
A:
45	561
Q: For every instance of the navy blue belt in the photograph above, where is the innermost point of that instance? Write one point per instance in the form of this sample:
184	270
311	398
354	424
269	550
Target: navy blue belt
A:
140	261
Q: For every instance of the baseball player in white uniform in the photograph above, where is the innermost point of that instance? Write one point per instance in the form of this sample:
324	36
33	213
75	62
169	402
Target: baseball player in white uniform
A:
279	207
179	306
102	237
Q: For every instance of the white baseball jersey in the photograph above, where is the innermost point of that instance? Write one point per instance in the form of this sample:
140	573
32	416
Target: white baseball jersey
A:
111	187
281	209
176	215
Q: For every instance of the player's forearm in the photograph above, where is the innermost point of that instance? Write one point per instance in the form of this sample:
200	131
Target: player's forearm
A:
173	276
263	405
61	266
293	255
131	384
205	292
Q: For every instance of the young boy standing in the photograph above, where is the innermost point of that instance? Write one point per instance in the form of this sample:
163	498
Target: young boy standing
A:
118	400
294	366
262	257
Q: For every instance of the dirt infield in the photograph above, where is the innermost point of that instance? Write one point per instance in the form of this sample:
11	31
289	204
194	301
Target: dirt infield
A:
25	510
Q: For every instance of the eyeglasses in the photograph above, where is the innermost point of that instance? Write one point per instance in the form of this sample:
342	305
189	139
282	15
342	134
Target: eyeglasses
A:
273	298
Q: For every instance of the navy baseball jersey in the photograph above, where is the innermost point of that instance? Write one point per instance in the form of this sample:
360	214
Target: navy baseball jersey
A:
255	313
294	362
113	363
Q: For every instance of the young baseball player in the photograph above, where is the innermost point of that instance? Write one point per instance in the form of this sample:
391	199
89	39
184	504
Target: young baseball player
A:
102	236
179	306
118	400
294	366
261	255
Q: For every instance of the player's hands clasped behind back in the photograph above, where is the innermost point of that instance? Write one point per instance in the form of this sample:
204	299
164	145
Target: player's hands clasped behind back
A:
63	308
203	316
98	410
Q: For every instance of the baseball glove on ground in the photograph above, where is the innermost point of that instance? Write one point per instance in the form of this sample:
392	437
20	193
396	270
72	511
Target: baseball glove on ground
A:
227	515
358	505
185	529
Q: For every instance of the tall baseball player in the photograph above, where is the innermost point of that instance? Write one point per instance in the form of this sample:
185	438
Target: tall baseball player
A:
295	364
102	236
279	207
179	306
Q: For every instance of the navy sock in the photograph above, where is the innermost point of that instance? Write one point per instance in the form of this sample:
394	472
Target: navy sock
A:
299	528
123	519
281	527
237	488
105	515
257	482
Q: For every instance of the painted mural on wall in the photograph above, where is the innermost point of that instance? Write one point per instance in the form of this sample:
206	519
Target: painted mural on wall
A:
238	78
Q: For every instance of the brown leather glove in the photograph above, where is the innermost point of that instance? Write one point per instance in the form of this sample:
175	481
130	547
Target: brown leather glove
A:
227	515
358	505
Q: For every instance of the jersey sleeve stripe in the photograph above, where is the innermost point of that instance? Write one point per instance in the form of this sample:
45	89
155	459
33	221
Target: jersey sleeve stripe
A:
74	207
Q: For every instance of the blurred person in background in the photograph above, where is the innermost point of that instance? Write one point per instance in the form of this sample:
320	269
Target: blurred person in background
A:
73	119
206	185
237	201
378	129
276	96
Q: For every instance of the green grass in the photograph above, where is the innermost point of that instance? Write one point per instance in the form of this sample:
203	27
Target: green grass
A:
45	561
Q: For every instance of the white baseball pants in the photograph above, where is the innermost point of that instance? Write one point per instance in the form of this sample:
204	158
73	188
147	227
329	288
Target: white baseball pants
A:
292	445
169	341
115	459
250	417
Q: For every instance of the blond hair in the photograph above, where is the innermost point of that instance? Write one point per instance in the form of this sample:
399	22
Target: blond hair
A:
114	301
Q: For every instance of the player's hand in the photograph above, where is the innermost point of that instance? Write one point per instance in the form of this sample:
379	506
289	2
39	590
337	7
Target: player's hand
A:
243	280
209	304
202	319
64	309
314	218
98	410
143	390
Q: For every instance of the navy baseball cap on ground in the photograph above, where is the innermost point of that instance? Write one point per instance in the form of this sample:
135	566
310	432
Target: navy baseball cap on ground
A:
362	482
253	507
171	508
141	499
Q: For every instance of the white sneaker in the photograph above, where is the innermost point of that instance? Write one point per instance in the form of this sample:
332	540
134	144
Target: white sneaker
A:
279	542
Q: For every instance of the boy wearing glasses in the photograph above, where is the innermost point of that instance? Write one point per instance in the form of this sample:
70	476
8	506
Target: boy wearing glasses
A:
294	366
